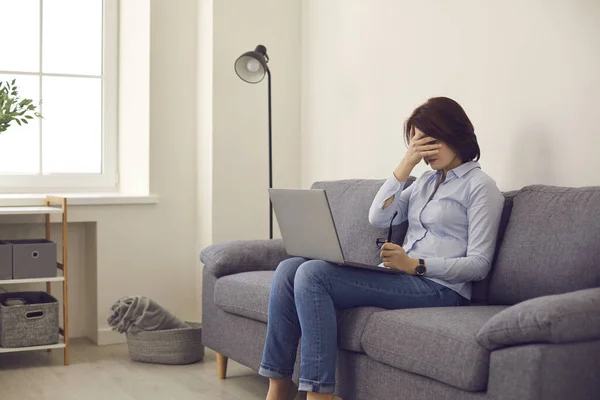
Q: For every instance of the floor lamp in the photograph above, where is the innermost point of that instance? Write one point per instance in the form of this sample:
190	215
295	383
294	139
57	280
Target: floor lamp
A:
251	67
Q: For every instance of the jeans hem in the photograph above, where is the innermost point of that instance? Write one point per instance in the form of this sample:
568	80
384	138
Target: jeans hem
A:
305	385
274	373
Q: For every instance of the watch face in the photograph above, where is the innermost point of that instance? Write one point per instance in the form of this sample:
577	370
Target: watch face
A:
420	269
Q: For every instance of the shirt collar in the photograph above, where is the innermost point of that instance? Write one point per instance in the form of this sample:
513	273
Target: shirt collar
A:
462	169
459	171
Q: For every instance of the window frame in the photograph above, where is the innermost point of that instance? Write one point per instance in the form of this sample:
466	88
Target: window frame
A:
107	180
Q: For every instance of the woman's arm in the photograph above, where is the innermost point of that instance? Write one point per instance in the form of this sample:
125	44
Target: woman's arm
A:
388	200
391	197
484	212
402	172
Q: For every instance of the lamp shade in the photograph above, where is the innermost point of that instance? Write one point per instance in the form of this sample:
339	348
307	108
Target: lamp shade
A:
252	65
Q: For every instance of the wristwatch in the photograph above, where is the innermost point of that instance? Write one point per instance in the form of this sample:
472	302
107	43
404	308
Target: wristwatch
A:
421	269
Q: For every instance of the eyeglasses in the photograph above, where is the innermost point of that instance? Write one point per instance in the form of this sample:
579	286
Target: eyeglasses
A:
380	242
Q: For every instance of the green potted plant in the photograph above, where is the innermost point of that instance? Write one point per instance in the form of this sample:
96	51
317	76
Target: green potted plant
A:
13	108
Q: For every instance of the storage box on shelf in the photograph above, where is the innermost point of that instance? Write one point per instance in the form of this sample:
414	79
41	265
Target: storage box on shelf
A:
28	319
33	258
6	261
28	262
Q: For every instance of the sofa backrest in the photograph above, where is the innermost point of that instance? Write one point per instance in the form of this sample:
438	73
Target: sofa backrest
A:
551	244
350	201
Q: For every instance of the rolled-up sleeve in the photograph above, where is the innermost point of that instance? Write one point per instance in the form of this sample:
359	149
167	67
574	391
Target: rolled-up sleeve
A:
483	213
381	217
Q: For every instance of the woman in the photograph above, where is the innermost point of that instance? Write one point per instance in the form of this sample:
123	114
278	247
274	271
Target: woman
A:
453	215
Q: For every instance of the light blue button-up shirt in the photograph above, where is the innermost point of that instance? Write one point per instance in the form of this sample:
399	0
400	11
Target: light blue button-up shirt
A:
454	229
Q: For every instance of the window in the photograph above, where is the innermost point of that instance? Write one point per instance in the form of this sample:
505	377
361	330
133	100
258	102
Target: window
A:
63	53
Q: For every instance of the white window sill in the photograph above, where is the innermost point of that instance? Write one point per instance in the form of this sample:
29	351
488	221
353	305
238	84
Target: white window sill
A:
78	199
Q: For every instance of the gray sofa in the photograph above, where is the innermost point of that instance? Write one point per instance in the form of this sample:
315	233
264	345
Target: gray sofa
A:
532	331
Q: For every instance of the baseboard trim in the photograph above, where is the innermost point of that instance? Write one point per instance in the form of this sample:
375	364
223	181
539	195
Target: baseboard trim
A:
107	336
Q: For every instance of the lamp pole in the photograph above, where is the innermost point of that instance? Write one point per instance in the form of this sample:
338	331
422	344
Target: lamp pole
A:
251	67
270	158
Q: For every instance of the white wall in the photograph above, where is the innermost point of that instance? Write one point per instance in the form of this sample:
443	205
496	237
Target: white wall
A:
150	250
239	114
526	73
232	124
204	135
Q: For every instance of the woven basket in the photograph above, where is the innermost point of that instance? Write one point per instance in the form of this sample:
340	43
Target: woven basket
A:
32	321
171	346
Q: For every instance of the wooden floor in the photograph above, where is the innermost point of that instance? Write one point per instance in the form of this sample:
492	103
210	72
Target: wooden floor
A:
107	373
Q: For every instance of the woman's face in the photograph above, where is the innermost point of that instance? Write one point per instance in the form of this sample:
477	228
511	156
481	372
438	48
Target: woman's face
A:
445	159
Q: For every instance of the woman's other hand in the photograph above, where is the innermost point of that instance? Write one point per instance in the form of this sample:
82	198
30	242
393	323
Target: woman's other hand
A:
394	257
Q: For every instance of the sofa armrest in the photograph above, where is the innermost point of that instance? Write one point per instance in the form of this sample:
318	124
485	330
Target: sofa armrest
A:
242	256
545	372
563	318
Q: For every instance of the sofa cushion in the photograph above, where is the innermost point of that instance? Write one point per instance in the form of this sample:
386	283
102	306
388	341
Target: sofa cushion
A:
436	342
480	290
350	201
550	245
247	294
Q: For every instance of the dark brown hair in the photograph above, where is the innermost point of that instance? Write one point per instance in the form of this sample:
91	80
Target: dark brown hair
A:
444	119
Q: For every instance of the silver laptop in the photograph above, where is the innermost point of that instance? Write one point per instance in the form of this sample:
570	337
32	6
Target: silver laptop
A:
308	229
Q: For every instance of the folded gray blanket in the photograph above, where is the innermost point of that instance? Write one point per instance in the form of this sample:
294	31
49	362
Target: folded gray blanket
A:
138	313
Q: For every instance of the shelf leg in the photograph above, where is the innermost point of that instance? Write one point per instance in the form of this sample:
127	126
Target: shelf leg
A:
48	284
65	282
63	202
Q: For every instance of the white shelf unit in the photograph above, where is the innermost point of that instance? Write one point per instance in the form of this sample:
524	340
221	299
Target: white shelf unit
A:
53	205
30	210
36	280
59	345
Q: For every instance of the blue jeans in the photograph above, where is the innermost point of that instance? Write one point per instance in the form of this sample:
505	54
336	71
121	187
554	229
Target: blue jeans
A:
304	296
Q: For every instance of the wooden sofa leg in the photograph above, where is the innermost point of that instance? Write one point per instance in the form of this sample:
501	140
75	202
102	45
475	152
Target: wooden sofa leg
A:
221	366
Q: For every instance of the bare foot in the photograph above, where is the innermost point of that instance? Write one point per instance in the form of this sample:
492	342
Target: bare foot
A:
278	389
